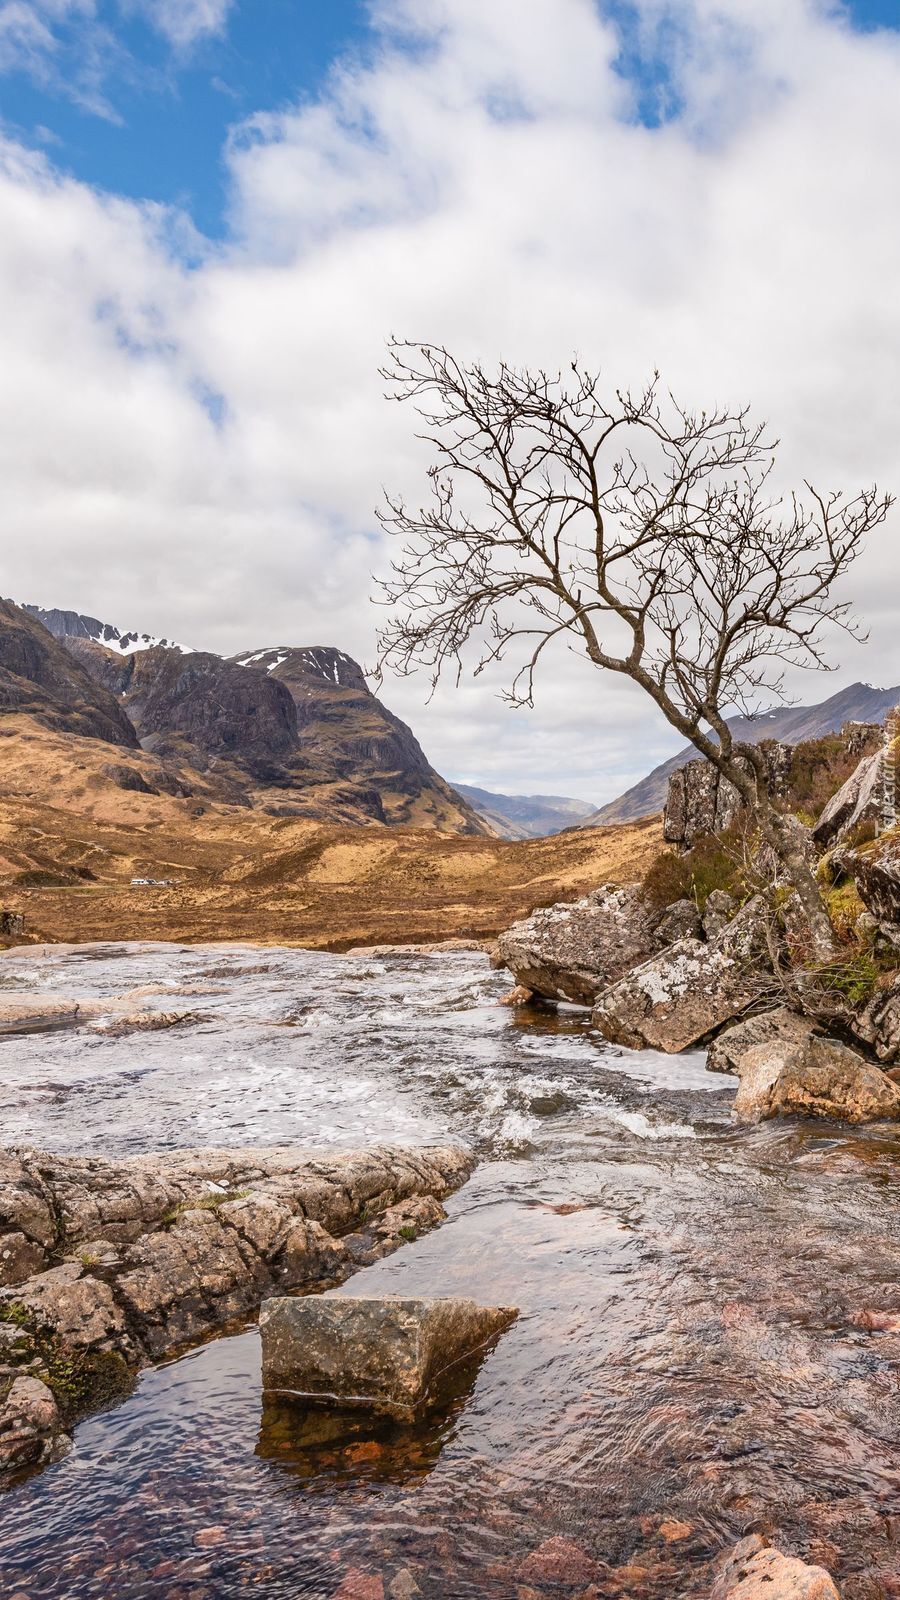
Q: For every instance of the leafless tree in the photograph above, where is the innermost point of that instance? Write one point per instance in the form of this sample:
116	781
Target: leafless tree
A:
648	536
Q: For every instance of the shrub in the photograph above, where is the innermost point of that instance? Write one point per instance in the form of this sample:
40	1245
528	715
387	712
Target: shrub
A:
713	863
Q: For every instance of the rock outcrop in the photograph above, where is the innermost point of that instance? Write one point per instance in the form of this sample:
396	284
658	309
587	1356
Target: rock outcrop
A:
858	800
385	1355
185	705
755	1570
31	1429
111	1265
573	951
878	1026
700	801
40	679
876	871
819	1078
684	995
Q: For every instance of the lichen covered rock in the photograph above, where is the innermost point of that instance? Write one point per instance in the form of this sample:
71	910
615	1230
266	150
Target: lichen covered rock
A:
31	1429
686	993
571	952
782	1025
858	800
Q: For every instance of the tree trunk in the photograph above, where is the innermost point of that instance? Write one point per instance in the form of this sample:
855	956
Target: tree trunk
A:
790	840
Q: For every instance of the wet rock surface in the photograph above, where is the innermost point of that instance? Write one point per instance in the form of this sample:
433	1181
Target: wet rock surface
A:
382	1354
816	1078
757	1571
162	1250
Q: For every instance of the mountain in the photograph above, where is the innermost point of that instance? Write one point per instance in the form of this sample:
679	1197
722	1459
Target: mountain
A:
41	679
791	724
293	731
525	816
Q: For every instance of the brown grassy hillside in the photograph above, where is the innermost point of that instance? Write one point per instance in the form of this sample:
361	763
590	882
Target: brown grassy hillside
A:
71	840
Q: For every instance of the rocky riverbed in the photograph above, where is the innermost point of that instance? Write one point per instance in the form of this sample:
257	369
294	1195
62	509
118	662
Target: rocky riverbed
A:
709	1315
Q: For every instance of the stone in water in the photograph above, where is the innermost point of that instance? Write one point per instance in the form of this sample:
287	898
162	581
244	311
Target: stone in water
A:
383	1353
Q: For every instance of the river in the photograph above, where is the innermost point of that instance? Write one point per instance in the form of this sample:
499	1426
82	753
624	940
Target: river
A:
691	1361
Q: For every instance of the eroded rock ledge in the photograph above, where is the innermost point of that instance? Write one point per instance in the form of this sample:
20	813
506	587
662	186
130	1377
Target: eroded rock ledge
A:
107	1266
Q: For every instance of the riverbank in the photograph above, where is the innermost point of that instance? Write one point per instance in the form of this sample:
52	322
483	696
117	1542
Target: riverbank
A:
707	1340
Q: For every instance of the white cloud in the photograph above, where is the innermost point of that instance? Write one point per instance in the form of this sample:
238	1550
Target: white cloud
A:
198	451
185	21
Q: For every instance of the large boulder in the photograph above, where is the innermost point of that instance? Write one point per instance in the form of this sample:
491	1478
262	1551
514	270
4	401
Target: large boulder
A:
782	1025
755	1570
700	802
381	1354
858	800
820	1078
572	951
684	995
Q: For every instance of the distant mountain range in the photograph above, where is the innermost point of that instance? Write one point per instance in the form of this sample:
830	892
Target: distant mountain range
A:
293	730
791	724
525	816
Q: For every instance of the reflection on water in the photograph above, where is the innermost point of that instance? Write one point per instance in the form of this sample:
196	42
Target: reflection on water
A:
689	1362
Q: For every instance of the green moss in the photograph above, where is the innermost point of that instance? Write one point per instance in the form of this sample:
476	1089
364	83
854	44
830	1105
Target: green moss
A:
855	979
844	908
83	1381
16	1313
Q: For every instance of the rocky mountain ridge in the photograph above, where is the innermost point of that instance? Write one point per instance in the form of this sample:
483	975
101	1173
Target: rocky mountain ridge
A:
294	731
525	816
861	702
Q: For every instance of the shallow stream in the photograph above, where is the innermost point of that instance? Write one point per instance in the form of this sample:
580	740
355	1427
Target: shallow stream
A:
691	1361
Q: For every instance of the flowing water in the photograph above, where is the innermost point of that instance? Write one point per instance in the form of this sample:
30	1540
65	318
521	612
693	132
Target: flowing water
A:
694	1357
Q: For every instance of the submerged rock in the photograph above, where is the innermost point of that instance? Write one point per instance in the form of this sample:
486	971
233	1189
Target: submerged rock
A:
684	995
138	1257
755	1570
818	1078
381	1354
572	951
782	1024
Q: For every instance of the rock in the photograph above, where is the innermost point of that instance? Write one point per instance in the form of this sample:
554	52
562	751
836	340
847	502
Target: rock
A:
125	777
360	1585
571	952
31	1431
162	1250
38	1012
385	1354
701	802
876	871
679	921
684	995
820	1078
879	1024
755	1570
517	996
403	1585
718	912
19	1258
858	800
558	1561
782	1024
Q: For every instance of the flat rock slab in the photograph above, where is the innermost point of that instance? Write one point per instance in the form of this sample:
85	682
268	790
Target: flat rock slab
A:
382	1353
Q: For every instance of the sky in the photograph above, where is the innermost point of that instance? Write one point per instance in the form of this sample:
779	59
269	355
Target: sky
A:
214	212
